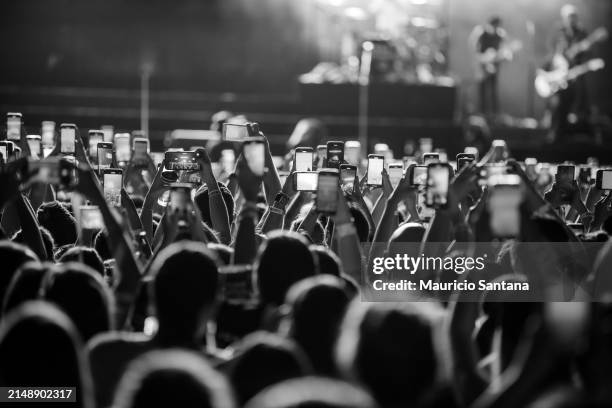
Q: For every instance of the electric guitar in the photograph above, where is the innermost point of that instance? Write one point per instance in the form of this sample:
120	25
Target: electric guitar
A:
598	35
548	83
489	60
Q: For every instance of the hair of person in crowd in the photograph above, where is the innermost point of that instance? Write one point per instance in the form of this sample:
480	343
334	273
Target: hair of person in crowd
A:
315	392
25	284
83	295
314	310
60	223
13	255
282	260
40	347
185	292
47	241
263	359
172	378
88	256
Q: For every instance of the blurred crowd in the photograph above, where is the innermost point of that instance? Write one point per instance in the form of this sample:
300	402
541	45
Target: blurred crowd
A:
224	276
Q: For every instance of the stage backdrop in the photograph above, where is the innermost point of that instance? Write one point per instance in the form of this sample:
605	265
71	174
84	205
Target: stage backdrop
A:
254	46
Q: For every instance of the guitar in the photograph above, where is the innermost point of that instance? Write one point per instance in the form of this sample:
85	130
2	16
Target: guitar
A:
600	34
548	83
488	61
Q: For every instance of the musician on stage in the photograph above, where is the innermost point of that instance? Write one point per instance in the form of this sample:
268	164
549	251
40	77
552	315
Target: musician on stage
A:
574	98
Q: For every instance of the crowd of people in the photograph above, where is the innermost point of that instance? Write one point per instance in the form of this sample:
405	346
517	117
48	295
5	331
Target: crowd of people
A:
214	280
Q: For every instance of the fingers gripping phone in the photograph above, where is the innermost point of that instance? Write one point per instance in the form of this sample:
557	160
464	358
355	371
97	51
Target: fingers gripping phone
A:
68	138
335	154
303	158
253	150
438	181
112	180
376	164
327	191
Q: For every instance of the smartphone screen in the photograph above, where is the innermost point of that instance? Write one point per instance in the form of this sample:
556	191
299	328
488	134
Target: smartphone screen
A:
426	145
254	154
108	132
91	217
604	179
234	132
438	180
396	172
113	181
48	134
327	192
347	176
105	155
95	137
376	164
303	159
13	126
141	146
352	152
122	147
504	214
430	158
306	181
34	143
181	160
335	154
321	155
67	139
419	176
565	174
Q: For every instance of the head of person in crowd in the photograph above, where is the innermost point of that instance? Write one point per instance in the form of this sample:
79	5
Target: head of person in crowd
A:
307	132
25	285
185	292
264	359
283	259
12	256
40	347
201	200
83	295
172	378
312	392
47	241
60	223
100	244
315	308
393	349
327	260
86	255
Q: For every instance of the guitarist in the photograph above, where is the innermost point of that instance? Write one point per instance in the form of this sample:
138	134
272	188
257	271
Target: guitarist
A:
487	41
568	52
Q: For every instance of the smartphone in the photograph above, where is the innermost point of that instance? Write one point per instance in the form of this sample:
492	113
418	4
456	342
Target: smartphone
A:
303	158
234	132
335	154
306	181
6	149
67	138
418	176
376	164
182	160
531	168
505	197
13	126
35	145
352	152
108	132
347	177
95	137
327	191
396	172
105	155
139	134
112	181
464	159
16	152
438	181
430	158
500	150
254	151
321	156
565	174
603	180
584	175
48	134
91	217
140	145
471	150
123	150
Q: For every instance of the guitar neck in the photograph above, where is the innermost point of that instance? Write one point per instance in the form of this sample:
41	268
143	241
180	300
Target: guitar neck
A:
577	71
